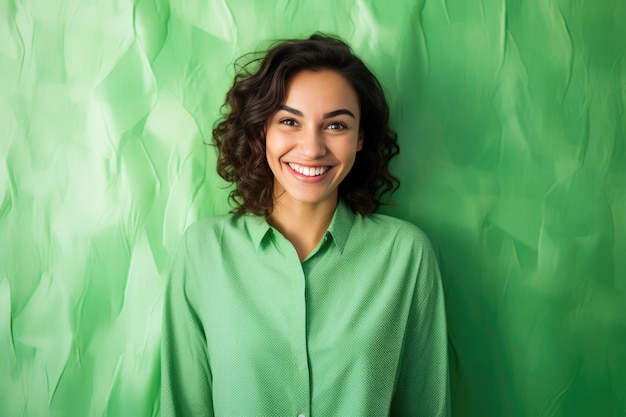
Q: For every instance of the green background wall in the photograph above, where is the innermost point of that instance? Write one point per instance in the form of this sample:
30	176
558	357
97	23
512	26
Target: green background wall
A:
511	115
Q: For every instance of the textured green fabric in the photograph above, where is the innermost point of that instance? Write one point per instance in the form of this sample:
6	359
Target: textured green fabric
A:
356	329
512	126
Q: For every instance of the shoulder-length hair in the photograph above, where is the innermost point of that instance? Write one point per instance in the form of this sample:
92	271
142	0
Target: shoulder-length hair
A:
257	93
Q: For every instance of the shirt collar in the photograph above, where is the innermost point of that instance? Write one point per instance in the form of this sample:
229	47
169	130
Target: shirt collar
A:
341	224
258	228
339	227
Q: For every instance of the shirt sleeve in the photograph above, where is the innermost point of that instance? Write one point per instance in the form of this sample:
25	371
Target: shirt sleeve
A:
185	372
423	384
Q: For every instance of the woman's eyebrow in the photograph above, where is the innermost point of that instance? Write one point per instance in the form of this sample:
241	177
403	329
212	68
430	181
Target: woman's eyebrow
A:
326	115
291	110
338	112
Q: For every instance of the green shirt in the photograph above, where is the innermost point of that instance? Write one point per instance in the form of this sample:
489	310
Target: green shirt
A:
356	329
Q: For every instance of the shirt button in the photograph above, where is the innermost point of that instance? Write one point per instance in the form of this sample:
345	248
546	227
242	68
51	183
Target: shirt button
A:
300	415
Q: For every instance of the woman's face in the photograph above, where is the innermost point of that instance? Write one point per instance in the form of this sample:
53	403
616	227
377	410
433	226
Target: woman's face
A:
312	141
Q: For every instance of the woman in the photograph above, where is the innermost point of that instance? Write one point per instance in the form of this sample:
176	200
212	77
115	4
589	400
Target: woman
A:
303	302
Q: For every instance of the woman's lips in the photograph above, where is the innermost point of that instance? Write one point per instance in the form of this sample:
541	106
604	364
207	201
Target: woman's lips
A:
308	173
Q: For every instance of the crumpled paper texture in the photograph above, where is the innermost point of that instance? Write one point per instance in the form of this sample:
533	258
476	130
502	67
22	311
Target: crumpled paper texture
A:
512	126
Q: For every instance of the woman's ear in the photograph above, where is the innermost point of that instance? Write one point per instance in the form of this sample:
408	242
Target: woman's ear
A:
359	144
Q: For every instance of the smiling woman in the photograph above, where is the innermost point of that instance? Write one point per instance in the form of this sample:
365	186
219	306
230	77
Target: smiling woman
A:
304	301
311	144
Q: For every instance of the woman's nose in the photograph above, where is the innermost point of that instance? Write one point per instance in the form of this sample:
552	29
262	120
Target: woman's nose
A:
311	144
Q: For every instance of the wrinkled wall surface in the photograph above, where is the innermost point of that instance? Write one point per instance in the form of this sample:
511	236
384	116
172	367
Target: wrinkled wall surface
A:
512	126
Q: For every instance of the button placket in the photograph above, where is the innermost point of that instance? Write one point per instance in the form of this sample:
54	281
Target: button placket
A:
299	341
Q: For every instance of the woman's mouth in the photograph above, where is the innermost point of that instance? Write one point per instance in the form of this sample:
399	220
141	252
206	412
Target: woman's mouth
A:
309	171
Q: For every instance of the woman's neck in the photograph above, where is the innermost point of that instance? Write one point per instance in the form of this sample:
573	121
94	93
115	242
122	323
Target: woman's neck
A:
303	224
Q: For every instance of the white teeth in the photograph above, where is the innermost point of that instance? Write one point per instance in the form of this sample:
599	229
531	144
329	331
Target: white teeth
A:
308	171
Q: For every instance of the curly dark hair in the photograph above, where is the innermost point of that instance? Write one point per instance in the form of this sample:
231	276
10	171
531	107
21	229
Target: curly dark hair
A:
257	93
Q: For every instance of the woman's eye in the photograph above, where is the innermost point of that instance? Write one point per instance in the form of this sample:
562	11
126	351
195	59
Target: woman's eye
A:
337	126
288	122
